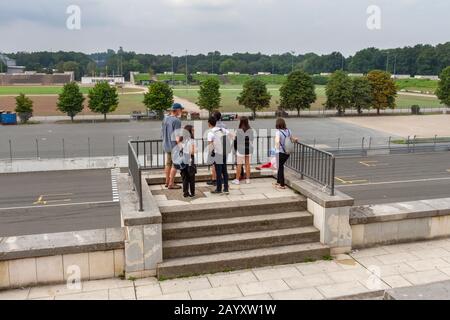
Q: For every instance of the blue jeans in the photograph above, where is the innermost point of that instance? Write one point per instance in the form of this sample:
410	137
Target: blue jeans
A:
222	176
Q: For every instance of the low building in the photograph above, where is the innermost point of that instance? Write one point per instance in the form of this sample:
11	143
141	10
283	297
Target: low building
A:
264	73
110	80
427	77
401	76
202	73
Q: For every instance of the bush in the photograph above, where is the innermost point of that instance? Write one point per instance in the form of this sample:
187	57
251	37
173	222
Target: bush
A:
415	109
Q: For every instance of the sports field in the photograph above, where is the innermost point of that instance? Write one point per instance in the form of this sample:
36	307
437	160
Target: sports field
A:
45	98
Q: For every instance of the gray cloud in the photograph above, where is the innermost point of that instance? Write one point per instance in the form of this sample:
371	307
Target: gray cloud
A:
270	26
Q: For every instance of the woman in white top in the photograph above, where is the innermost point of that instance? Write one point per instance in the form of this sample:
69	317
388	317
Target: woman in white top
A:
281	135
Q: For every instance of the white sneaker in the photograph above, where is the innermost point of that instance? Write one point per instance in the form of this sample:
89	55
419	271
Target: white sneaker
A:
247	181
237	182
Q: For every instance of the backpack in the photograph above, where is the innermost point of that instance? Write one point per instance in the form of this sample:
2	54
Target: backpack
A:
288	146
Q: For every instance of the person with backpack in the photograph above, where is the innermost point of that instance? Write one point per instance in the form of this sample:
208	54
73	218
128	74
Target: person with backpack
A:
218	148
284	145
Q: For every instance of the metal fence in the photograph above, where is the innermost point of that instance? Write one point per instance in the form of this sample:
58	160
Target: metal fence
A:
317	165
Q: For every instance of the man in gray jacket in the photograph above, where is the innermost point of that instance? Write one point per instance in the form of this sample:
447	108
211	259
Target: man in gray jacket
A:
171	128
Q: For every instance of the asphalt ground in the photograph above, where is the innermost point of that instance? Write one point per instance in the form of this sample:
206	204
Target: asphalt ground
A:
394	178
58	201
50	140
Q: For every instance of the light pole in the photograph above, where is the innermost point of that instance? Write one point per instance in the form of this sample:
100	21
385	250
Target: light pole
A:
171	55
186	68
292	56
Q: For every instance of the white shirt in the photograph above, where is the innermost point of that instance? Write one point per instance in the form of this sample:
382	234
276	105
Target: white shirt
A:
281	136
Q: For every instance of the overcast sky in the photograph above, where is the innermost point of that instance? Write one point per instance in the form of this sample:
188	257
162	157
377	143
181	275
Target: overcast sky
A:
267	26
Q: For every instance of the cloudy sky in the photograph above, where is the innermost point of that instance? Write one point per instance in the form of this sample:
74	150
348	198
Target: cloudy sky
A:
268	26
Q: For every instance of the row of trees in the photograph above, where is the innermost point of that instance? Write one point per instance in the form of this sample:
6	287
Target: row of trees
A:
102	98
420	59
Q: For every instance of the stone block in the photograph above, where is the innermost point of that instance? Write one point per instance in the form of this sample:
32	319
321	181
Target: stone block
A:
78	261
49	269
134	249
101	264
152	246
4	274
22	272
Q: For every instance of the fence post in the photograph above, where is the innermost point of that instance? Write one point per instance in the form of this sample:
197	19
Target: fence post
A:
89	147
362	143
333	172
63	149
302	161
114	147
37	149
10	150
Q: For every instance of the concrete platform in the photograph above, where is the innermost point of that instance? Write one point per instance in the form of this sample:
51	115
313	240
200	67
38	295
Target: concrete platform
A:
432	291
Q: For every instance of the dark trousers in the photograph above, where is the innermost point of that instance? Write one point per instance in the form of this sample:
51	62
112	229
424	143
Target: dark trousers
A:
222	176
188	182
281	159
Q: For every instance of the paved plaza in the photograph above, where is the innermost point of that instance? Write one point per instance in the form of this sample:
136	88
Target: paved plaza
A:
361	272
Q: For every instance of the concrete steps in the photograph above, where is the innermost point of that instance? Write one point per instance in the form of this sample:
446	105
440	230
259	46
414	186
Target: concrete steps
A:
221	210
223	236
238	242
245	259
204	228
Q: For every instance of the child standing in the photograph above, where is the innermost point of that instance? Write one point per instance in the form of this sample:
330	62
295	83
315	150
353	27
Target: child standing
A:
186	161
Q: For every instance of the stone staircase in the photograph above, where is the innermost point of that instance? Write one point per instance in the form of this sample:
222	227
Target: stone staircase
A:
225	236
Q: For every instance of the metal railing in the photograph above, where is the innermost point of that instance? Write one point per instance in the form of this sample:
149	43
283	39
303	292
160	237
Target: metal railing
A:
309	162
314	164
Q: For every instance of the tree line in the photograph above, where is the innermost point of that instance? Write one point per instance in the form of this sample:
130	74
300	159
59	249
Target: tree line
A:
420	59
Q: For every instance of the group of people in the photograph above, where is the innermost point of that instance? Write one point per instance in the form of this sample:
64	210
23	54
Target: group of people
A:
180	149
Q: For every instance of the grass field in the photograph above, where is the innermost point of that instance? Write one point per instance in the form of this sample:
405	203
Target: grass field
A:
422	85
45	105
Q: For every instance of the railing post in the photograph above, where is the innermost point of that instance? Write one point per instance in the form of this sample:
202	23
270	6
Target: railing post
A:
362	143
89	147
141	204
302	161
333	172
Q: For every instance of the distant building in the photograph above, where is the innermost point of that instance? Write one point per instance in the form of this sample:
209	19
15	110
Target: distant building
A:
264	73
401	76
234	73
356	75
110	80
427	77
169	73
325	74
202	73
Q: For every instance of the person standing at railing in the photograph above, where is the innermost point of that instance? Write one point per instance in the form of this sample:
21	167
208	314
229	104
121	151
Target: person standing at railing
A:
170	126
219	123
283	147
218	148
243	145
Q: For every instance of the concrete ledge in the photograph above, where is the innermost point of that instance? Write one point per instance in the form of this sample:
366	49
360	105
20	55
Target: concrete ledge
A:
432	291
42	245
400	222
316	193
399	211
129	202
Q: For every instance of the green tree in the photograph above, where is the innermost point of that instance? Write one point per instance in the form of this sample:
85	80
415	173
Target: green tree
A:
443	90
254	96
338	92
298	92
209	95
70	100
361	94
384	90
24	108
103	98
159	97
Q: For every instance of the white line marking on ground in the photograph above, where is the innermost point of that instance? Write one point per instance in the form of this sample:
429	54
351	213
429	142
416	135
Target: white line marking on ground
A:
114	187
392	182
58	205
